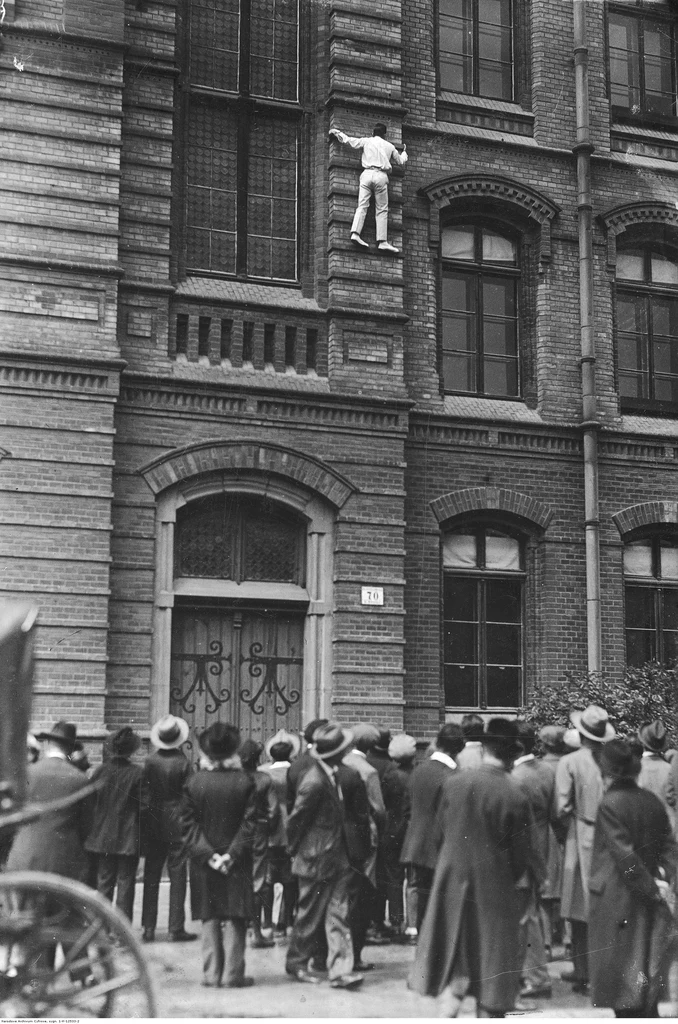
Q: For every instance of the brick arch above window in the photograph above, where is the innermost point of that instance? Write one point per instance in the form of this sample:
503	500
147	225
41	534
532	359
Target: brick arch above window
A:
527	202
619	219
646	513
491	499
243	456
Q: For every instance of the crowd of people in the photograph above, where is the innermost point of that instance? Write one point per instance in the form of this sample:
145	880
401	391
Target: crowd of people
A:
487	851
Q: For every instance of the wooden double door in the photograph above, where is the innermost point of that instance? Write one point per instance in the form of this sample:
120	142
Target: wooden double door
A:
242	665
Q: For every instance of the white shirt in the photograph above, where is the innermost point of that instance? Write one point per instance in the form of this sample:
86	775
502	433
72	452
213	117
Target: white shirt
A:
377	152
523	759
57	753
440	755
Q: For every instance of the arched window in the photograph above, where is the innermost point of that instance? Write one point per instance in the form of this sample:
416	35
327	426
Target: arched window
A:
479	311
651	599
230	537
483	582
475	47
647	323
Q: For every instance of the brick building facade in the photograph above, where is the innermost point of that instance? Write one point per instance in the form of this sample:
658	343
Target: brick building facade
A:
222	420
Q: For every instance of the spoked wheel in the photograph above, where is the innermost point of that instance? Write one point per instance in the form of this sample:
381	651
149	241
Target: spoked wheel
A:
66	952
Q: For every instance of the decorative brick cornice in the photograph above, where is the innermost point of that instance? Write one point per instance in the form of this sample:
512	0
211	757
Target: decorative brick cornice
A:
241	457
532	205
646	513
628	215
491	499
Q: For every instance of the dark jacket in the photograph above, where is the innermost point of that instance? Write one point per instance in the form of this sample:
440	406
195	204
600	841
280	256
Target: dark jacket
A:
218	815
424	835
632	840
165	774
474	912
356	815
55	842
315	828
394	792
538	783
118	808
297	770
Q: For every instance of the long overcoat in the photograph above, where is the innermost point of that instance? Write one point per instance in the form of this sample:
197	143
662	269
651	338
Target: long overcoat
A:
473	913
118	808
579	790
55	842
218	815
633	839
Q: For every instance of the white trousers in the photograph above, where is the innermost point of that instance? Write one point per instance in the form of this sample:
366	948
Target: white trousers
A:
375	183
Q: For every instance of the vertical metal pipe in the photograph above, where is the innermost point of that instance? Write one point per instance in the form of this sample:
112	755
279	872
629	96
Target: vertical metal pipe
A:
589	423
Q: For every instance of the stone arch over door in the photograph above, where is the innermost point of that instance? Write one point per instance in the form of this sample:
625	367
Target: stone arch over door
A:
287	477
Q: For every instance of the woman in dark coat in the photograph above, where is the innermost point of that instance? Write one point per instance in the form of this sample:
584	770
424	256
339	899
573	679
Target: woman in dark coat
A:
218	823
633	843
114	836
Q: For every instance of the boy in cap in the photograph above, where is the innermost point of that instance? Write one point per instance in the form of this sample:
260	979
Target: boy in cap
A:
378	153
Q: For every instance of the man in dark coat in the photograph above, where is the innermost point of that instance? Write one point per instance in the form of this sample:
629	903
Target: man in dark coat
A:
301	764
551	740
166	772
389	880
218	819
633	847
537	782
268	819
357	829
114	836
469	941
55	841
424	836
281	748
317	841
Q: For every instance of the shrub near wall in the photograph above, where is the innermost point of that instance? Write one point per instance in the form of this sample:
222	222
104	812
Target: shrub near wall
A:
641	695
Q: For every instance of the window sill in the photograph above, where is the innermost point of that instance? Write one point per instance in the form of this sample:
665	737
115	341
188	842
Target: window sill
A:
643	140
480	112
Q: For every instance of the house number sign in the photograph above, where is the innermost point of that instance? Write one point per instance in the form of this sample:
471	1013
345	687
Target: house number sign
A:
372	595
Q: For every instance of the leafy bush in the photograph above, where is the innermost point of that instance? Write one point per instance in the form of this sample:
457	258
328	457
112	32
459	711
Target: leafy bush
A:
642	695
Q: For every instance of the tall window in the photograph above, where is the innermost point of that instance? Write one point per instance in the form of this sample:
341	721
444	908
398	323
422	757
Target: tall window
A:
651	592
475	47
484	576
242	138
479	311
647	324
642	61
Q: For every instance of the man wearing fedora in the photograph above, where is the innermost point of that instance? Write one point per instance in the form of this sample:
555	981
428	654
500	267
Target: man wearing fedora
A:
119	808
320	860
654	769
469	939
55	841
165	773
218	822
579	790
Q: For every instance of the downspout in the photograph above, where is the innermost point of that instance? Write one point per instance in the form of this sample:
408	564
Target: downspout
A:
589	423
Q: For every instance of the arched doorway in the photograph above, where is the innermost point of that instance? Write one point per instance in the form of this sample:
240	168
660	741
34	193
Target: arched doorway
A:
239	659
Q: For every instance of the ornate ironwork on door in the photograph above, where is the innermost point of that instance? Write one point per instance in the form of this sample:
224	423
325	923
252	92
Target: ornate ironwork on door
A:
216	660
258	665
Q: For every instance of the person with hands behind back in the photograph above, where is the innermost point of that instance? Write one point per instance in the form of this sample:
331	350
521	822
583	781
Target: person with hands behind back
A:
218	824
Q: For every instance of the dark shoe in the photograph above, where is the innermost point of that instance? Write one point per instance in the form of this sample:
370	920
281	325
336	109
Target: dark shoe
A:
261	943
240	983
378	939
211	984
182	936
360	965
530	992
148	935
347	981
581	988
304	976
570	976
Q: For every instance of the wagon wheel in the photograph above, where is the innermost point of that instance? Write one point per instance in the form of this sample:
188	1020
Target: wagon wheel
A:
66	952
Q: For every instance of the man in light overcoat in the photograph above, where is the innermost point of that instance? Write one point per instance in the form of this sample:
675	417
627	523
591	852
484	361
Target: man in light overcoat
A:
579	790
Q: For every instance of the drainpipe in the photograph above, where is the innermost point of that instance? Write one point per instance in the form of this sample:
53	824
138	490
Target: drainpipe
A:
589	423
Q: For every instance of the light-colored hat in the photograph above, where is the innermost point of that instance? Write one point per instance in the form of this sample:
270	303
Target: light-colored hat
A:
593	723
402	747
572	739
169	733
283	736
330	740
